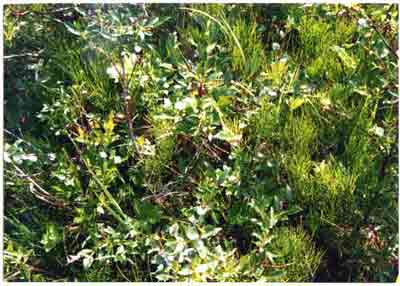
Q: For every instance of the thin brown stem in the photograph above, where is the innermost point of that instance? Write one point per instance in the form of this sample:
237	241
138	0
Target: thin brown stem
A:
374	26
127	100
38	191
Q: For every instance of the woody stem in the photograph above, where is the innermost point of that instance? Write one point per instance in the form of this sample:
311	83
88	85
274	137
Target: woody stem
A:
127	101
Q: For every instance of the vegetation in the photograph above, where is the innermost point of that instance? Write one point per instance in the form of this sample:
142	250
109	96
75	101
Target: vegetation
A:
201	142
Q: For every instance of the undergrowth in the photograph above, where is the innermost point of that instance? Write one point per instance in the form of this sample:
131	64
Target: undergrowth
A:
201	143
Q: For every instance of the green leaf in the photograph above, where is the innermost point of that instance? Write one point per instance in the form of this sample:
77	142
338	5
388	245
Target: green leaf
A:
379	131
201	268
211	231
296	103
167	66
347	60
164	277
158	22
201	211
244	262
201	248
273	219
51	237
141	35
72	30
224	100
148	212
210	48
109	124
293	210
362	92
270	256
87	262
225	28
185	271
192	233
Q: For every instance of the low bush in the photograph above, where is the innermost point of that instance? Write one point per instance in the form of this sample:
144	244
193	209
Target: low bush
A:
209	143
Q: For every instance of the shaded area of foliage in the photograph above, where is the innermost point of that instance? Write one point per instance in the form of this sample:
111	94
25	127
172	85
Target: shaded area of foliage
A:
201	142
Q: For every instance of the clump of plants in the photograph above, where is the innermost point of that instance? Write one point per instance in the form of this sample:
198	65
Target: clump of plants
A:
207	143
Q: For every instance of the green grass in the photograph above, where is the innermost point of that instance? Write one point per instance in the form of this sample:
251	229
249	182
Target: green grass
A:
261	143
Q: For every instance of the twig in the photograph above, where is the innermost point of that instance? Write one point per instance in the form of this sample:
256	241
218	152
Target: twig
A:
333	224
23	176
243	87
119	215
373	25
281	265
128	112
23	55
43	194
160	195
8	278
19	138
382	37
266	263
127	99
144	10
122	274
193	181
220	149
